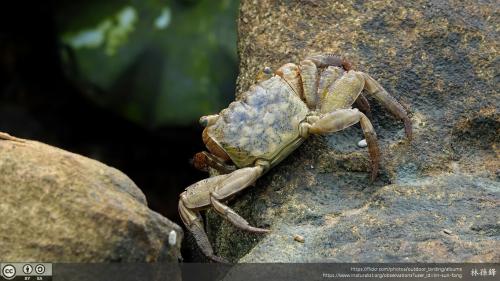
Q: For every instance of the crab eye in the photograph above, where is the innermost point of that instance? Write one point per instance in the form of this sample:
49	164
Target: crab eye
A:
267	70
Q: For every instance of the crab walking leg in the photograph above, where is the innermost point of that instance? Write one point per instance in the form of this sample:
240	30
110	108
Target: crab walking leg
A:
193	221
343	92
343	118
380	94
237	181
199	196
309	76
363	105
325	60
291	74
233	217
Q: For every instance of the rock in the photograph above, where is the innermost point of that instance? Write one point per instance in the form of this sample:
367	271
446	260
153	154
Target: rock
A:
62	207
437	58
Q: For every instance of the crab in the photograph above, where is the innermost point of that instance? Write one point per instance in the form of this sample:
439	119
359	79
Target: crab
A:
272	119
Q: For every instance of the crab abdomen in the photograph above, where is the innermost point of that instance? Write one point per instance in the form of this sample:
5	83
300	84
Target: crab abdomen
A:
261	123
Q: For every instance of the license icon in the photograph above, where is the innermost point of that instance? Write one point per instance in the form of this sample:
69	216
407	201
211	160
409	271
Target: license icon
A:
27	268
39	269
9	271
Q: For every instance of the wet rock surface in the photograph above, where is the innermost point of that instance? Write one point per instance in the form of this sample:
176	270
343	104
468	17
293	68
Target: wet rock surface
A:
62	207
437	198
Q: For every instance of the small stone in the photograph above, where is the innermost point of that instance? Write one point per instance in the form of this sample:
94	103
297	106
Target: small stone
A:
299	238
362	143
172	238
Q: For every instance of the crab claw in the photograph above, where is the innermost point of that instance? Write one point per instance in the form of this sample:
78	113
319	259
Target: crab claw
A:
208	120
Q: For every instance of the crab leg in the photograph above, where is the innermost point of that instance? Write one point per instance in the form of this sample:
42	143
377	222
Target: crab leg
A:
230	215
379	93
291	74
332	62
343	118
211	191
343	92
309	76
324	60
363	105
193	221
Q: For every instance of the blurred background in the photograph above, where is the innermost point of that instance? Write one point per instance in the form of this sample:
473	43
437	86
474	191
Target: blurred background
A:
122	82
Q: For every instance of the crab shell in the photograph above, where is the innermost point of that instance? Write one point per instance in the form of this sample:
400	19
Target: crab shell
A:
262	124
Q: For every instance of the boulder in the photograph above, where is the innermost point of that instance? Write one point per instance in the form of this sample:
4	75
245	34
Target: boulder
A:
437	197
62	207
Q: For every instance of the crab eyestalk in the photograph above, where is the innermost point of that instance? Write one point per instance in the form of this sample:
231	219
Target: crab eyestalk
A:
264	74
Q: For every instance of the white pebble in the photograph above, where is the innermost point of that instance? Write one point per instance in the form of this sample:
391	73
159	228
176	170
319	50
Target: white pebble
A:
362	143
172	238
447	231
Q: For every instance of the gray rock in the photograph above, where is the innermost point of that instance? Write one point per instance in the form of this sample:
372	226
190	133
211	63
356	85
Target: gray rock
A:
437	198
62	207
